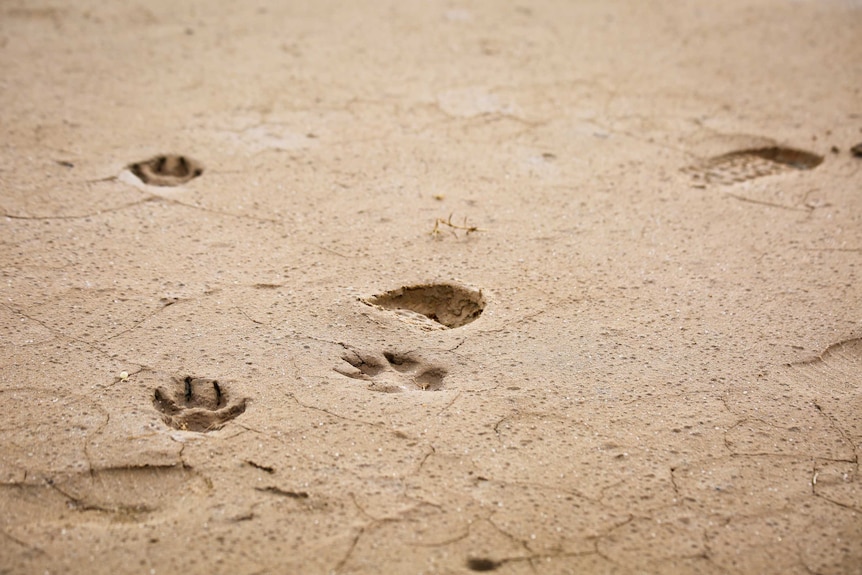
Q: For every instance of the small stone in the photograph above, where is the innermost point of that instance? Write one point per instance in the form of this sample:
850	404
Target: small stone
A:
857	150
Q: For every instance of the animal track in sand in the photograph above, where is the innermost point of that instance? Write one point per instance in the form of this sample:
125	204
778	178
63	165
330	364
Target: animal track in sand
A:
748	164
844	352
167	170
431	306
196	404
482	564
392	372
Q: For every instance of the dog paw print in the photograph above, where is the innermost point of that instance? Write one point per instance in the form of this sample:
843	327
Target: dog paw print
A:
196	404
166	170
391	372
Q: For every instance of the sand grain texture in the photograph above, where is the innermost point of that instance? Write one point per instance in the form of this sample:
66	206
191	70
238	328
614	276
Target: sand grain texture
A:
231	342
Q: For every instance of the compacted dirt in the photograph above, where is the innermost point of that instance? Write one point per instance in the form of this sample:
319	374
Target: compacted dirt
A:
431	287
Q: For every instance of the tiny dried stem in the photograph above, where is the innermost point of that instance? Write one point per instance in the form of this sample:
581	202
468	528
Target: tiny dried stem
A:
468	229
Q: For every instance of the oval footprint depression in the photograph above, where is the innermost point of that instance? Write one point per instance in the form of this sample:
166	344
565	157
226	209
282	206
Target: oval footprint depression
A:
432	306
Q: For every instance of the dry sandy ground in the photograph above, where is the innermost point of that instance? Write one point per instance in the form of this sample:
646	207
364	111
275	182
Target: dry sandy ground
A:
634	348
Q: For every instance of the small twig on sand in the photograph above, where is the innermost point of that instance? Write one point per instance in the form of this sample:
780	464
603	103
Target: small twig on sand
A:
439	223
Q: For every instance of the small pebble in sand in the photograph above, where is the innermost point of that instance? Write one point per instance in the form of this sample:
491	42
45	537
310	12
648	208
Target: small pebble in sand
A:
857	150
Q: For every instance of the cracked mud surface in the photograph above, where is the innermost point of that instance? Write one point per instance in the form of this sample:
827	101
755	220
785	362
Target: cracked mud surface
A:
661	374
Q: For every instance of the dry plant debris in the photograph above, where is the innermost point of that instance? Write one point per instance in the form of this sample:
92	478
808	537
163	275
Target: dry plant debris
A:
440	223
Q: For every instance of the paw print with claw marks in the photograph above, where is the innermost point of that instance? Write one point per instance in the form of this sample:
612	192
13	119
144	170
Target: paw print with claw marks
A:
391	372
196	404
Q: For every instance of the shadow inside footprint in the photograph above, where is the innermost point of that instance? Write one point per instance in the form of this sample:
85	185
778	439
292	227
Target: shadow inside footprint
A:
748	164
392	372
431	306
